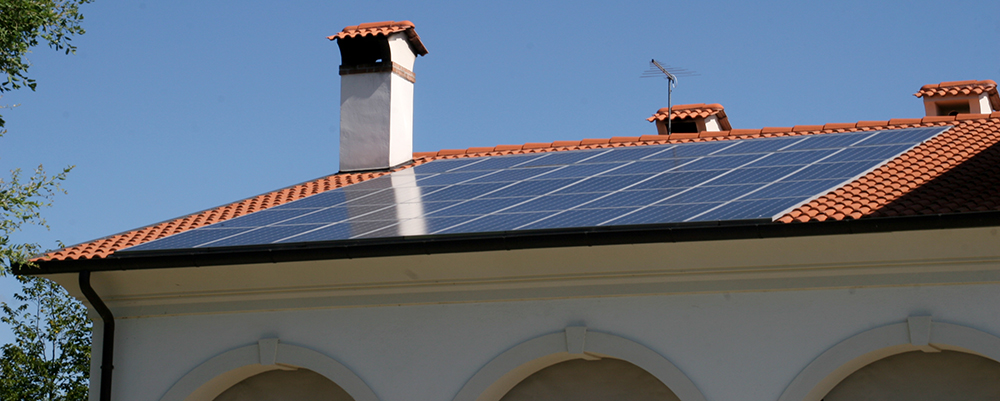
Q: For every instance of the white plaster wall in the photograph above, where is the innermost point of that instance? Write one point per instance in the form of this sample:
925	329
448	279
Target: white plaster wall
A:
364	121
732	345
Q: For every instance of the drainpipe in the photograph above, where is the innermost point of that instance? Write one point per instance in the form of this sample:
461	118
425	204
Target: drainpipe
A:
108	345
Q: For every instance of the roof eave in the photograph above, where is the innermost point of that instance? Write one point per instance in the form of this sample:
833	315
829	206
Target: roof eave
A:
507	241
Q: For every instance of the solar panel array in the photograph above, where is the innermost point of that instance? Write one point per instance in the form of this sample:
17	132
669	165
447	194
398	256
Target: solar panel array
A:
750	179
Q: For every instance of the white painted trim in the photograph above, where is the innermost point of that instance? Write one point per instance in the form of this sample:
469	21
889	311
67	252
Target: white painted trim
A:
218	374
834	365
508	369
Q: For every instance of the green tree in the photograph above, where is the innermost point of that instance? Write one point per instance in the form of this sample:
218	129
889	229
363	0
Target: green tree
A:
26	23
50	359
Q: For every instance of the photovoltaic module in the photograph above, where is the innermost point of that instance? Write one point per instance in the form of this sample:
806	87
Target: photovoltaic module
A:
688	183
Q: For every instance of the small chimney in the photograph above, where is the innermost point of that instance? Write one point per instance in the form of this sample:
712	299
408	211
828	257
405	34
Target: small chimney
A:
960	97
692	118
376	94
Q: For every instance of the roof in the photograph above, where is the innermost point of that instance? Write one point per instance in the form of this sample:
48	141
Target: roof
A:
384	28
962	89
952	173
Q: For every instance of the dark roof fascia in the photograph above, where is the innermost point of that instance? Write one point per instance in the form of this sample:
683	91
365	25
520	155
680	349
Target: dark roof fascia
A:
509	240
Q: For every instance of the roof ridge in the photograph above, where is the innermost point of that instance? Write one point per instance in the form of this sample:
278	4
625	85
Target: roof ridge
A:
715	135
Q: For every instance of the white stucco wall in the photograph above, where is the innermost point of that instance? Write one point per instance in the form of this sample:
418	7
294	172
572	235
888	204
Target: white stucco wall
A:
731	345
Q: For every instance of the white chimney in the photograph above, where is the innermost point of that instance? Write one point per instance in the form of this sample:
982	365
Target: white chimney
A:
376	94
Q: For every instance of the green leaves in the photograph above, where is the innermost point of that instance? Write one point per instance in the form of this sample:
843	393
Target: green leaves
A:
21	201
26	23
50	360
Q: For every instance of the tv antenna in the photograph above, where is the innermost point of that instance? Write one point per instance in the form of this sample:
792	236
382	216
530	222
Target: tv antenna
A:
656	69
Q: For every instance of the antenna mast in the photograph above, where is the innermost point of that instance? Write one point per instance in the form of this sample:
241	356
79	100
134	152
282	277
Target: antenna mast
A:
656	70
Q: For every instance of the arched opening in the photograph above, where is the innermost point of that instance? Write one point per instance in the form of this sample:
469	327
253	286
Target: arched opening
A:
281	385
585	380
562	354
917	376
855	361
269	364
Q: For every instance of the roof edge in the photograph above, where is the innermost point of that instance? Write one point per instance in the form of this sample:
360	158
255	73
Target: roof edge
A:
509	240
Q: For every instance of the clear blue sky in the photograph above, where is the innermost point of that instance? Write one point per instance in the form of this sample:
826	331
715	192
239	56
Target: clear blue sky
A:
173	107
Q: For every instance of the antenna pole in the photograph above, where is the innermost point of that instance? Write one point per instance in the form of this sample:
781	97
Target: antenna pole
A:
670	91
670	108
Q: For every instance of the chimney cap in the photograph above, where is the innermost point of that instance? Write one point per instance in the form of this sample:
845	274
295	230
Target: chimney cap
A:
694	110
384	28
962	89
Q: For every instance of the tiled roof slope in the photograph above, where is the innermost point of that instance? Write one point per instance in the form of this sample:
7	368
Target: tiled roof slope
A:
962	88
954	172
385	28
105	246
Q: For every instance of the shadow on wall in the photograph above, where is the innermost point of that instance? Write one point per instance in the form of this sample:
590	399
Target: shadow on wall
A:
583	380
921	376
280	385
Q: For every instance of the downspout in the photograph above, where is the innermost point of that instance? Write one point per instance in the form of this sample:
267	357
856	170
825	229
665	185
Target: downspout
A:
108	345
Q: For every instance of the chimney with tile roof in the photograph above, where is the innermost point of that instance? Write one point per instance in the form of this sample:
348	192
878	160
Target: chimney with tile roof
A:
692	118
376	94
960	97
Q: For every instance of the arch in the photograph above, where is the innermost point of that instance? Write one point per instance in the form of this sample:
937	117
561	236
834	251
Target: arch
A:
215	375
505	371
918	333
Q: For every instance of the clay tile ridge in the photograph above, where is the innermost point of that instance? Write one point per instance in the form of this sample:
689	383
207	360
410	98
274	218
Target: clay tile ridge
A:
694	110
958	88
384	28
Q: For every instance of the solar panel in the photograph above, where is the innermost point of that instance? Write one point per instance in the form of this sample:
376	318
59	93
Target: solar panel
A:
749	179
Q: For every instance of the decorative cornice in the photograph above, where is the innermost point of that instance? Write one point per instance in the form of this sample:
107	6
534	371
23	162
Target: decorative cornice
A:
393	67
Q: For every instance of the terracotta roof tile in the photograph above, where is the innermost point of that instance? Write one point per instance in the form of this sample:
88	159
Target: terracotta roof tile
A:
769	130
695	110
962	89
952	173
623	139
384	28
692	111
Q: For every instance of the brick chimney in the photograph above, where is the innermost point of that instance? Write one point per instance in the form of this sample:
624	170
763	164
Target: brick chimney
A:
376	94
689	118
960	97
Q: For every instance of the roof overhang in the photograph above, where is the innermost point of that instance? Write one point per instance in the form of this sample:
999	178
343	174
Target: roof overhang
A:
508	240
